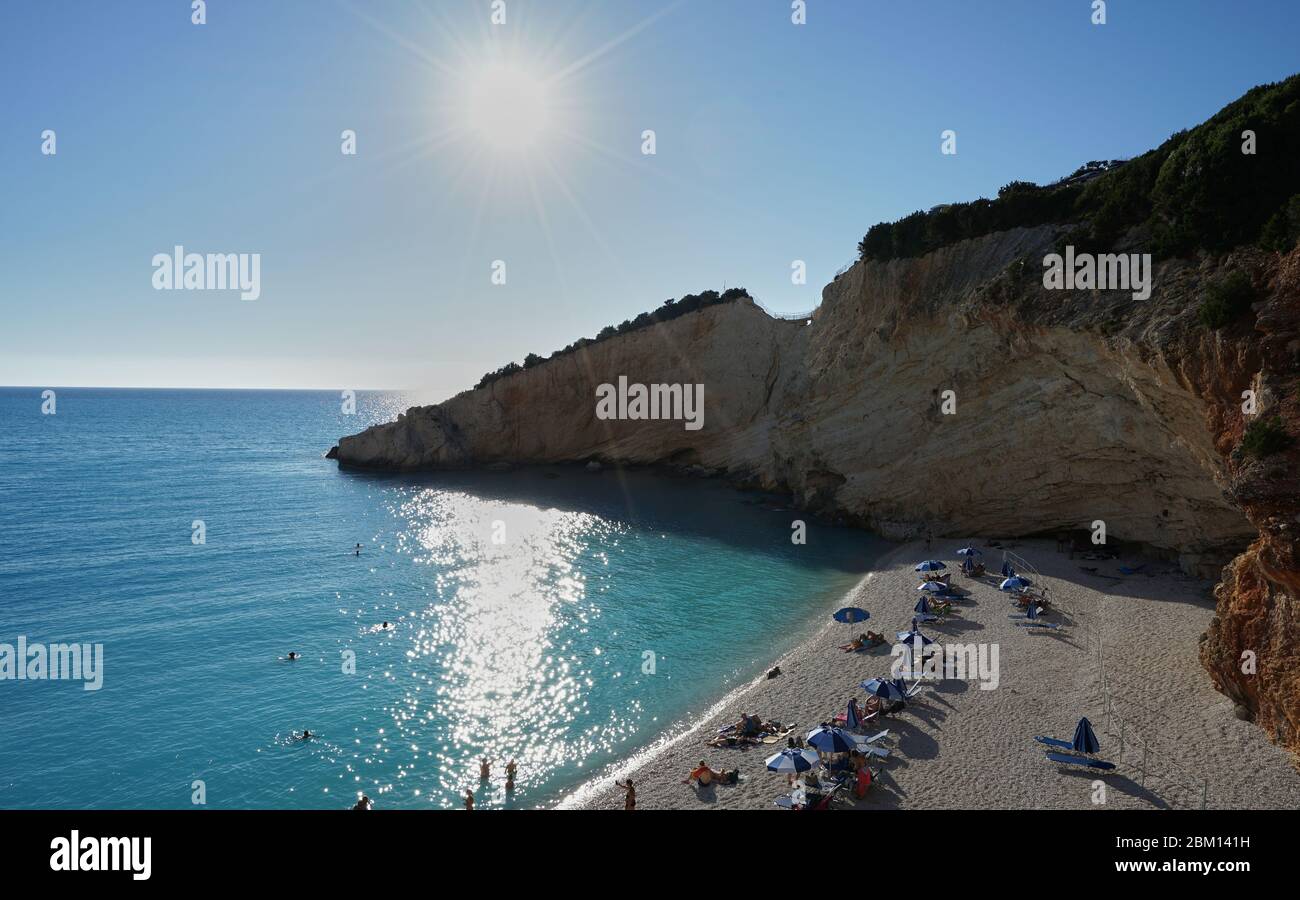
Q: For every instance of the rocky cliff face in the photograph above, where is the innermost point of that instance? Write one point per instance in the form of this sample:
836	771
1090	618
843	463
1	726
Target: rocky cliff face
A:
1067	408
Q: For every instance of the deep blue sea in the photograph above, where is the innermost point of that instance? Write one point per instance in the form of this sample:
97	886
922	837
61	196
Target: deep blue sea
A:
523	608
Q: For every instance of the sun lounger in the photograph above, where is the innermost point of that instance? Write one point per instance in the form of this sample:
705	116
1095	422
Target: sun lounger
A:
1054	742
814	802
1080	761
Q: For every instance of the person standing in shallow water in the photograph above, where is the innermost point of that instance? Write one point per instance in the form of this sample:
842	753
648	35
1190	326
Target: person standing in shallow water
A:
469	800
484	769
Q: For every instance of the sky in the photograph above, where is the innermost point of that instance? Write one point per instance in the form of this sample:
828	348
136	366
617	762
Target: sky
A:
522	144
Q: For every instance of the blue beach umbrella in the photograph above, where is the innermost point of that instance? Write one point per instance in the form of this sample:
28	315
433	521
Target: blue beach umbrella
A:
930	565
907	637
1014	583
933	587
792	760
969	551
850	614
1085	739
1007	569
901	685
885	690
831	740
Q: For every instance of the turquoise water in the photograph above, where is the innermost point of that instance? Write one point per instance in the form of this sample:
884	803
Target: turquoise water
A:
523	607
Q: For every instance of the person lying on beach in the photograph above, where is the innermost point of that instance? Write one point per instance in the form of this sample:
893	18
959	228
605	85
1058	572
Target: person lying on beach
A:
706	776
863	642
733	740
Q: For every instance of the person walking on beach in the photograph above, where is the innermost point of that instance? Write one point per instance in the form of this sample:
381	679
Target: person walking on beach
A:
469	800
629	794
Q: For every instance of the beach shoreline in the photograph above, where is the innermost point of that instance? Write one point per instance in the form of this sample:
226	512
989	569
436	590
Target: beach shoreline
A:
961	747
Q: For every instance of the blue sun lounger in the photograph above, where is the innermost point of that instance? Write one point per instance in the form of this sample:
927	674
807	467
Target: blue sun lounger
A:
1080	761
1054	742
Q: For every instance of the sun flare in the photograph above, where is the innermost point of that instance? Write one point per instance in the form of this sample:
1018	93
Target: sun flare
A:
508	108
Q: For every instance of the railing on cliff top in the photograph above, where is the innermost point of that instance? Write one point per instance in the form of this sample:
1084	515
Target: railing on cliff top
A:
786	316
1113	694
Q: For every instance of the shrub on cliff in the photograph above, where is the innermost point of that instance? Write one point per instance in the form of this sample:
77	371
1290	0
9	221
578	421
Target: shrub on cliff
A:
1264	437
671	309
1283	230
1226	299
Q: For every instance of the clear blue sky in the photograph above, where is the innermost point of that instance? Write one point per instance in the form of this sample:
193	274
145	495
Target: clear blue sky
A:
776	142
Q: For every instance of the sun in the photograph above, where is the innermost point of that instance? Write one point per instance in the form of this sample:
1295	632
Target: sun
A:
507	107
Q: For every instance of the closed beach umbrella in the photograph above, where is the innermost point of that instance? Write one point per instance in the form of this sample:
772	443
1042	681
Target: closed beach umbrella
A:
922	606
901	685
933	587
851	614
792	761
1007	569
831	740
1085	739
885	690
930	565
1014	583
851	720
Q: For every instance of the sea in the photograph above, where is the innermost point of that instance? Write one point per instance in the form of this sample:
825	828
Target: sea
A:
560	618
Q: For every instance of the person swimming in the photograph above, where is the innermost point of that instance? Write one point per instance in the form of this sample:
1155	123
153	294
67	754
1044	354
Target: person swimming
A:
364	803
293	655
357	552
305	736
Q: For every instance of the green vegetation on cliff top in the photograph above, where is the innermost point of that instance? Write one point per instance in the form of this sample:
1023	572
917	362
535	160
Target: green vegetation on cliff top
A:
1196	191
